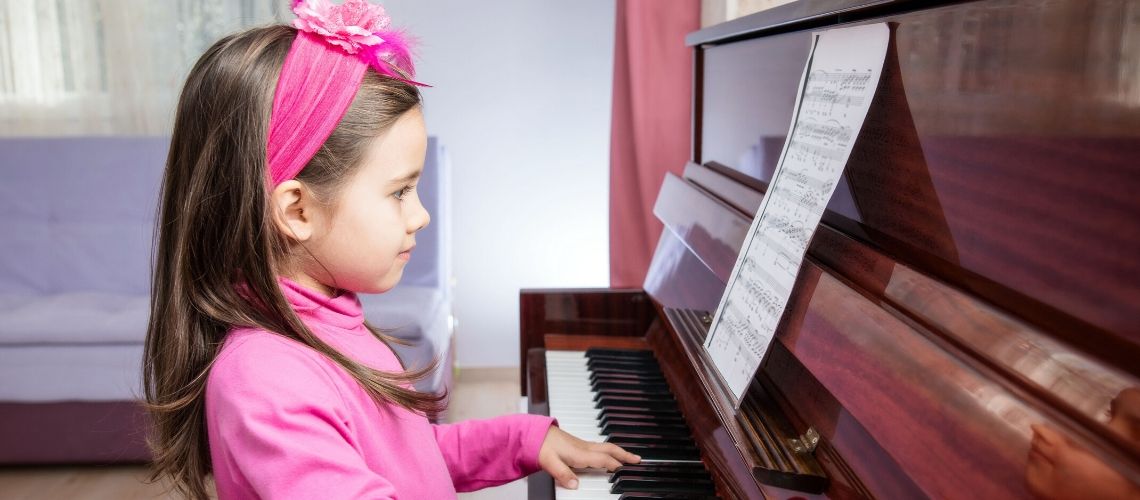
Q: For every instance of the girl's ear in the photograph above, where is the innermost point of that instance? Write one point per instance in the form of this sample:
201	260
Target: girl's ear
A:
294	210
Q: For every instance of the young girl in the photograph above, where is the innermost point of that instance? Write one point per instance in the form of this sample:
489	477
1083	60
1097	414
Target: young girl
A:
289	188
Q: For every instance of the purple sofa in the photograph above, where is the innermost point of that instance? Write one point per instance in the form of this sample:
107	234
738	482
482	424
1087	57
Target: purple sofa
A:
74	282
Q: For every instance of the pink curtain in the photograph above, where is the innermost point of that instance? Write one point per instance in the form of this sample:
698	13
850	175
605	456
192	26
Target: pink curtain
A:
650	132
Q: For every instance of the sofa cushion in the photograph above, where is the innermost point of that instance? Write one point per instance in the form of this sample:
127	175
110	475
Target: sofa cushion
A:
78	213
42	373
419	315
73	318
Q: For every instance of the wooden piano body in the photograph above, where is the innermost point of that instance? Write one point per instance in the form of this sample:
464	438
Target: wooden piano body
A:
976	272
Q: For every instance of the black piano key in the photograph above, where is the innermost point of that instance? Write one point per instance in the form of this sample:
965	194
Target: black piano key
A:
665	401
620	438
666	496
628	379
662	395
622	359
594	352
648	385
665	441
647	428
632	389
628	384
635	401
667	449
627	370
636	484
636	409
649	366
611	375
626	373
646	365
629	477
612	412
641	417
648	362
662	451
613	400
678	466
640	377
698	472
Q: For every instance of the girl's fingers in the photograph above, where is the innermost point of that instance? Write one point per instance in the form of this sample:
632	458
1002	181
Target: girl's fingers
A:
580	459
611	463
563	475
604	461
617	452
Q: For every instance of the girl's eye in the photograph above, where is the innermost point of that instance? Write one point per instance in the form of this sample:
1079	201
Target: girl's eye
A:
403	192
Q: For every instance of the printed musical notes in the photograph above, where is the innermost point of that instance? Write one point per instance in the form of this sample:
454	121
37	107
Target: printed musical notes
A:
828	90
836	91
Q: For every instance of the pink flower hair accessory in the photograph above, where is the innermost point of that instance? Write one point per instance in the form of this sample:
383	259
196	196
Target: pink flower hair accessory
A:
358	27
334	47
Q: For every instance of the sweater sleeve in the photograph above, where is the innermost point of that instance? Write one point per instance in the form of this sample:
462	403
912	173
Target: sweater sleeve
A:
484	453
278	416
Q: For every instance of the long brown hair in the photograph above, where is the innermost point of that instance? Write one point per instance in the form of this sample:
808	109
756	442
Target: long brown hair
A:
215	230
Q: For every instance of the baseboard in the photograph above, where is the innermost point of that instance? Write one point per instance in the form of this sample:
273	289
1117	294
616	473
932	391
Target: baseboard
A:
73	432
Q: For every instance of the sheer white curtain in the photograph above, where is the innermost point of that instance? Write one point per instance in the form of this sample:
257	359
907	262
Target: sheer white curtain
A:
108	67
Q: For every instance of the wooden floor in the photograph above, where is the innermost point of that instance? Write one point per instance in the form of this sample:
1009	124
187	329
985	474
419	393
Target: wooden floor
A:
479	393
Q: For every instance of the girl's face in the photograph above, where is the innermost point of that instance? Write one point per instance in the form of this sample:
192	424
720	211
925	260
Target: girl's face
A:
368	238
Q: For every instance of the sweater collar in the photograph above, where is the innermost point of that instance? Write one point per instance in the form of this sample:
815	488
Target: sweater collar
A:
342	311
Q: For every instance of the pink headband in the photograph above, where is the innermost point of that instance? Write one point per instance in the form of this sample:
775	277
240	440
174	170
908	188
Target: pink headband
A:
335	45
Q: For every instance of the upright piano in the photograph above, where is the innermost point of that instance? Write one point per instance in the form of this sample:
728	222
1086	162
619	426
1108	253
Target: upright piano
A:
966	322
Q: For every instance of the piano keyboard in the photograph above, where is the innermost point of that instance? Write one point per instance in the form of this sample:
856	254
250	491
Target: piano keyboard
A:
620	396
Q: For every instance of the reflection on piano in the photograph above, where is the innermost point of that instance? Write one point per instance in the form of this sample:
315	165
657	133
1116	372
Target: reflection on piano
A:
965	318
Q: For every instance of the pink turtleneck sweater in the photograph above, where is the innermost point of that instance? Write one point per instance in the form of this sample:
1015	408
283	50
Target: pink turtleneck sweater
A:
286	422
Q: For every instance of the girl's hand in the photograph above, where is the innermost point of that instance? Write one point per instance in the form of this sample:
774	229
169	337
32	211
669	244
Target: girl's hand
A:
560	451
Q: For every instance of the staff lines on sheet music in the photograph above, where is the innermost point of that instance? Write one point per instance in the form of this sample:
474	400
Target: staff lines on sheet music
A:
831	89
831	133
818	146
740	347
851	78
807	199
812	182
761	298
793	229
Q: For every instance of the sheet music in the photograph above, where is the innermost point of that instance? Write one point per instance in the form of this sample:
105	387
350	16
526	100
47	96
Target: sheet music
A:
836	90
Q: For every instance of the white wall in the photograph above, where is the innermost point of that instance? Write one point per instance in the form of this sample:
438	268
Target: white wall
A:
521	98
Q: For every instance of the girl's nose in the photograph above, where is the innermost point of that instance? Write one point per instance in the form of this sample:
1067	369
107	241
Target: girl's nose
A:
421	219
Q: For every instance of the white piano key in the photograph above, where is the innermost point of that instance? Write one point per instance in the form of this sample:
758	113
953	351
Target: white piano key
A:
592	484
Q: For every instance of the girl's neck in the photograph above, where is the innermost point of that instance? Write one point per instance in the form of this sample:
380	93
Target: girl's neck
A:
309	282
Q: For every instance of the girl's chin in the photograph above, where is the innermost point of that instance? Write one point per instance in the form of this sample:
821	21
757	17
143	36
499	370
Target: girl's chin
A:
389	282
